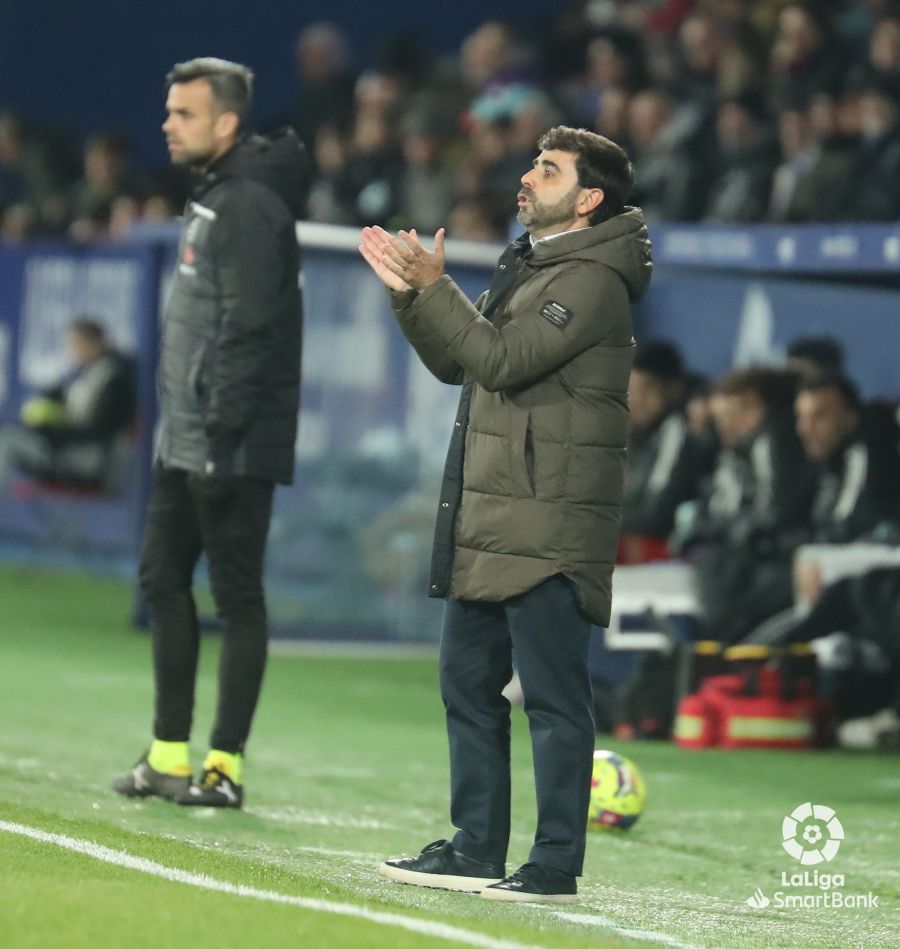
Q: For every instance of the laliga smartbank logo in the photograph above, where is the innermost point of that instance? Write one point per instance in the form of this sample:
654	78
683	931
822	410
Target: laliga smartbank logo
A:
812	834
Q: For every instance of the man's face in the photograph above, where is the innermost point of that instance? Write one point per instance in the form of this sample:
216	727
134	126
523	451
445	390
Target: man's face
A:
647	401
83	349
551	200
824	420
737	417
197	132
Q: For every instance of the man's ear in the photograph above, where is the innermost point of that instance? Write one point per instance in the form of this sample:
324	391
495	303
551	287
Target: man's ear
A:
227	125
591	201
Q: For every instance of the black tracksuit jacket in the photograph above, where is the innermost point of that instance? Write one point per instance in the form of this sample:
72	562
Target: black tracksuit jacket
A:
229	374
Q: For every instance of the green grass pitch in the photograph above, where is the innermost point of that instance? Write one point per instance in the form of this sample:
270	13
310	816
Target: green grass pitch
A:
348	765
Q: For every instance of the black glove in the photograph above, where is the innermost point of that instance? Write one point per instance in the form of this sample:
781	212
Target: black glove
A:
215	484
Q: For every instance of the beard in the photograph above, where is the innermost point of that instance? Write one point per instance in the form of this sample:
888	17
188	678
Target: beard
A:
535	216
194	159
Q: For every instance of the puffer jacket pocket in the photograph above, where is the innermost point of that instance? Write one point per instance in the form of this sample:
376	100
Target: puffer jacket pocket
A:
521	452
196	374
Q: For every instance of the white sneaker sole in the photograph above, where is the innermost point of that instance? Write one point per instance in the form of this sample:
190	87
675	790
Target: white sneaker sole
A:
437	881
512	896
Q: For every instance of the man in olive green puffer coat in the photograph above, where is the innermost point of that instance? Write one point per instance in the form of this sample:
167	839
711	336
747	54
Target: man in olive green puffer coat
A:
530	507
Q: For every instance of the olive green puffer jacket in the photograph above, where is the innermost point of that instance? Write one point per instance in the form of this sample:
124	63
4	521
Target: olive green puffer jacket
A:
544	436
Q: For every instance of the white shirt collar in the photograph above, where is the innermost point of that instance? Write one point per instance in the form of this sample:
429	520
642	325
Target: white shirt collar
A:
550	237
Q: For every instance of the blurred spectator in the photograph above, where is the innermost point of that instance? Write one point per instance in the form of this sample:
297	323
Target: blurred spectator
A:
799	153
872	187
701	428
34	174
474	220
806	57
330	196
611	119
70	431
103	181
359	171
882	57
158	206
718	57
670	176
745	164
426	183
746	527
884	48
662	465
614	60
124	213
326	82
19	222
373	156
484	173
488	56
504	126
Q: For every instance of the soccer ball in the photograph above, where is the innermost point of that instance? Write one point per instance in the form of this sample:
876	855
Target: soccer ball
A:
617	793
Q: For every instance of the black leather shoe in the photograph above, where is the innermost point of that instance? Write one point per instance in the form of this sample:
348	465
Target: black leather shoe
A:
534	883
214	789
144	781
444	868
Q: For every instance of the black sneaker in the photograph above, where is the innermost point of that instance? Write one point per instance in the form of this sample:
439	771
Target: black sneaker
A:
534	883
444	868
215	789
144	781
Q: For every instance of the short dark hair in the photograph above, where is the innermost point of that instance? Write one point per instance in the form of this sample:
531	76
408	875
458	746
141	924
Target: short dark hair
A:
825	352
774	386
231	83
599	162
844	386
90	329
660	359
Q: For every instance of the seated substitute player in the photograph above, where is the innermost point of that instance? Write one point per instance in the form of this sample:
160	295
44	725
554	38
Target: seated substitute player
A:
530	507
70	431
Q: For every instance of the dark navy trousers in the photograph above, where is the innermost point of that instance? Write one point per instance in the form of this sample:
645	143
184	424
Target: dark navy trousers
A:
545	634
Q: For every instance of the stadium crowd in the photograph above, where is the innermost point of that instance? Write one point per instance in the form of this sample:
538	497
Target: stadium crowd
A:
733	110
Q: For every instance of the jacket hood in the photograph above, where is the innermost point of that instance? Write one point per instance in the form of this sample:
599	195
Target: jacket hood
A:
279	161
620	243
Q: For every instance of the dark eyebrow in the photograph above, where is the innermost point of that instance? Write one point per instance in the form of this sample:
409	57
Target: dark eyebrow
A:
544	161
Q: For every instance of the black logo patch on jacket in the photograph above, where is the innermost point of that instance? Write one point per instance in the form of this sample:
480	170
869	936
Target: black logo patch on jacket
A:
556	313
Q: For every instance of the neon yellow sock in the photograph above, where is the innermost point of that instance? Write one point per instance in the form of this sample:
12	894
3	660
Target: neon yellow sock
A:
228	764
170	757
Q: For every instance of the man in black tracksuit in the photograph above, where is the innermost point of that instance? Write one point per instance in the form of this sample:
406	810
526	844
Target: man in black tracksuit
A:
857	465
229	388
665	464
746	528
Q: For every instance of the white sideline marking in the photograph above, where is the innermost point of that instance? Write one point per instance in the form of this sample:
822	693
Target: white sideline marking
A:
200	880
607	923
438	930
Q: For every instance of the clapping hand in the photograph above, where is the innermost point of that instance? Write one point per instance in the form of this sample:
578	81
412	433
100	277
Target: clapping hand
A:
401	262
